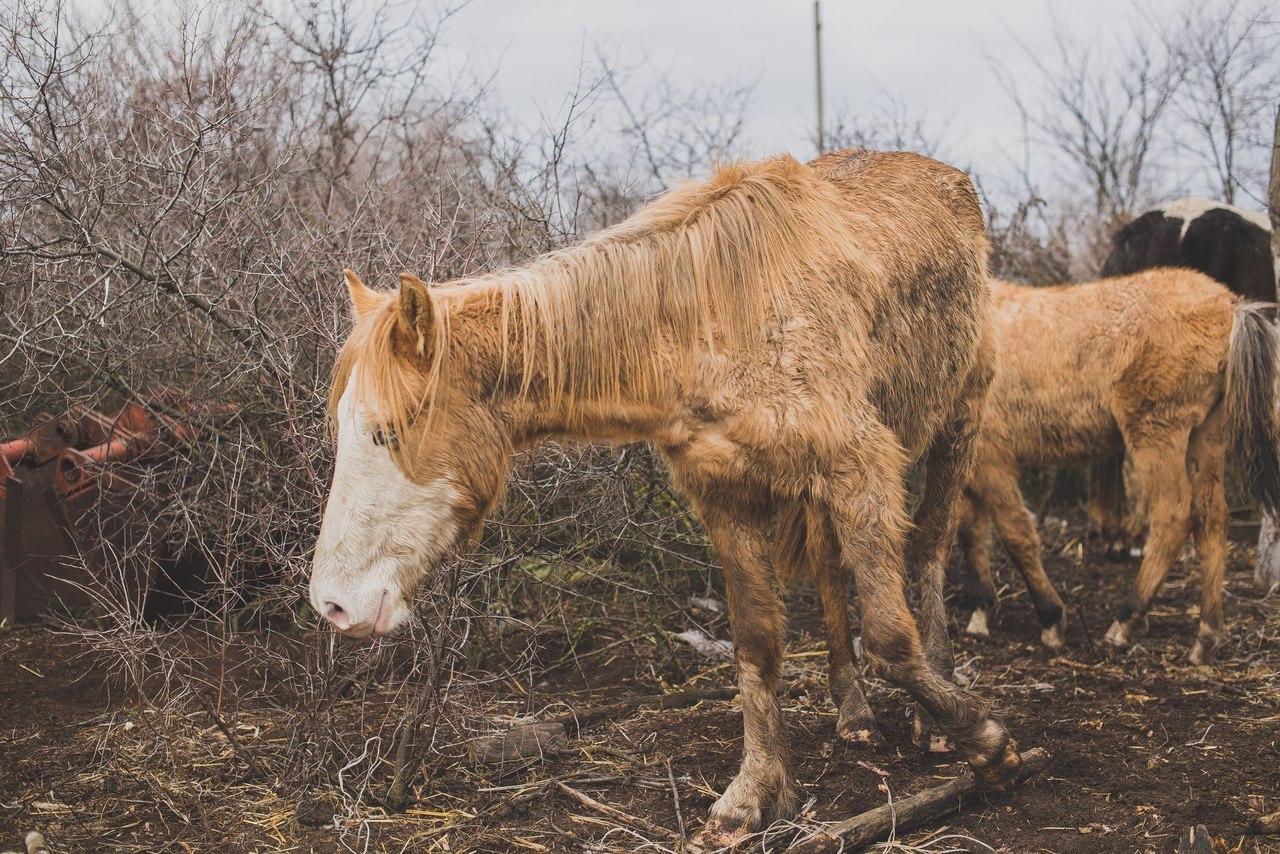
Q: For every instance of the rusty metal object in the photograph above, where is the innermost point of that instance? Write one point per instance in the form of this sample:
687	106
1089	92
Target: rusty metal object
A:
69	504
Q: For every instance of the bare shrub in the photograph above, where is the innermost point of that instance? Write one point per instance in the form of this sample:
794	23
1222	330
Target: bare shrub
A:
176	205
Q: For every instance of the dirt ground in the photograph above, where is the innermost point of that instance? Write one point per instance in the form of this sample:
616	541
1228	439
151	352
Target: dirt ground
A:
1142	745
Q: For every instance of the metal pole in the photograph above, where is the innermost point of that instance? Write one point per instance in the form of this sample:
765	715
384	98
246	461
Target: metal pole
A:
817	53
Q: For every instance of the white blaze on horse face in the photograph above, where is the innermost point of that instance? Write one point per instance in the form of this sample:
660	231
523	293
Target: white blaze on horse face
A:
381	531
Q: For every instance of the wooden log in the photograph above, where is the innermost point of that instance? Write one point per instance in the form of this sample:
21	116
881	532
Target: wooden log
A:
1267	825
929	805
576	721
1266	573
522	742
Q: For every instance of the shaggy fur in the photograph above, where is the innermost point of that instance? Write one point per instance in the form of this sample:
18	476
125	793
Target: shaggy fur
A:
1165	366
789	336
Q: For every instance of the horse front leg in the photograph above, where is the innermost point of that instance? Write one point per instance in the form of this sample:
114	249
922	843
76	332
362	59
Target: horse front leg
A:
763	790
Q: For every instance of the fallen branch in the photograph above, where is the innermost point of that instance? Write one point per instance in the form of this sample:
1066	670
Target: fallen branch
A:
576	721
614	813
929	805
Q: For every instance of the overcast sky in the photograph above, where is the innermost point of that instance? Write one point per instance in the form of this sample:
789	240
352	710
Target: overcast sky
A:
933	56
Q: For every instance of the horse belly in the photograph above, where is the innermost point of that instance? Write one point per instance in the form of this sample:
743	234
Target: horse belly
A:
1063	429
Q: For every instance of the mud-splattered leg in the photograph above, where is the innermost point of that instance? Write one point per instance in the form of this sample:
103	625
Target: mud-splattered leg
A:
948	467
975	545
855	722
763	790
996	484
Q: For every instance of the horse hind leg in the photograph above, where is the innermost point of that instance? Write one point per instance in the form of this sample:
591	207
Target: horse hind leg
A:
1206	461
804	537
975	547
1161	472
948	466
868	514
996	485
764	789
1107	505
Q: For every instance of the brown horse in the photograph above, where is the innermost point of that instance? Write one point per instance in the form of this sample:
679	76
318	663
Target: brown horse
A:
1166	367
788	335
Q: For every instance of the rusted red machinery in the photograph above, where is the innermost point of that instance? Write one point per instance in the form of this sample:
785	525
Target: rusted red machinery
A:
72	506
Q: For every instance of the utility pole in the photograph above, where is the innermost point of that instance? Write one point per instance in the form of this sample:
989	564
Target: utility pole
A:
817	55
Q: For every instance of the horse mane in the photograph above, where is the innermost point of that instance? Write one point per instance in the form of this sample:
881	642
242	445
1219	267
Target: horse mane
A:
707	263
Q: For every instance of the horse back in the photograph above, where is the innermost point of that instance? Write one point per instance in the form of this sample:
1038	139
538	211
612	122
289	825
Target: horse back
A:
1078	361
921	252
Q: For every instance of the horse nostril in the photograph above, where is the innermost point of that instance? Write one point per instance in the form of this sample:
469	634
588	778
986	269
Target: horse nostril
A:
335	614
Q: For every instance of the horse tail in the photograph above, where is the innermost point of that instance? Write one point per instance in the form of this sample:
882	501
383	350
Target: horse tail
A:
1250	397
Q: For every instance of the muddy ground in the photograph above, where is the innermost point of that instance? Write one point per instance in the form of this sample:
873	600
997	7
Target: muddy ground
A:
1142	745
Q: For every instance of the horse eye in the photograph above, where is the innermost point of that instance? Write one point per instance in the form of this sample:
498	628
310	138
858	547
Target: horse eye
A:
385	437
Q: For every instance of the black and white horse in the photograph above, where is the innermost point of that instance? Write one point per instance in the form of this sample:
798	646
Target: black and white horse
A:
1227	243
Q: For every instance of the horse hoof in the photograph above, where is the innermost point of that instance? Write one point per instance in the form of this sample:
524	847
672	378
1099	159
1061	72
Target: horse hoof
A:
1001	772
926	738
1202	653
717	836
1118	634
1054	637
864	732
978	625
748	805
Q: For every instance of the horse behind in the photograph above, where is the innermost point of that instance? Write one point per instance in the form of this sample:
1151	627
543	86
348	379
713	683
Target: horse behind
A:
789	336
1165	367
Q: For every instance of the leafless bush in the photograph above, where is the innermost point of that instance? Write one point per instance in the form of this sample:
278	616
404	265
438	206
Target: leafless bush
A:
175	209
890	125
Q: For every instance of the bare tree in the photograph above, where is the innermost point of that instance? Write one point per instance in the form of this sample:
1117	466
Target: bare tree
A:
1231	61
889	125
1102	118
678	132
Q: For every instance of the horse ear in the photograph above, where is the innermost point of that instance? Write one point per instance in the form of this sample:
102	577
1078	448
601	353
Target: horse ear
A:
363	300
417	310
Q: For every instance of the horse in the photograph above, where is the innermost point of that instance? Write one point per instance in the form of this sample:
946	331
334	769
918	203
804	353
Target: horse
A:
1230	244
1165	367
789	336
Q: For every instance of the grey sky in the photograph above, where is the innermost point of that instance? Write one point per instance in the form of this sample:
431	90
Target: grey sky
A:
932	55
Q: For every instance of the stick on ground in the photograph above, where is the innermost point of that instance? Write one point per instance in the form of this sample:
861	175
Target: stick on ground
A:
615	813
929	805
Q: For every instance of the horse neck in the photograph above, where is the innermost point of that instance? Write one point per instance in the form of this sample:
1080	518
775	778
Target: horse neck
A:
571	378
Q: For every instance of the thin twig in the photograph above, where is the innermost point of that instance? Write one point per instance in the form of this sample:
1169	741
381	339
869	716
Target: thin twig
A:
675	796
613	812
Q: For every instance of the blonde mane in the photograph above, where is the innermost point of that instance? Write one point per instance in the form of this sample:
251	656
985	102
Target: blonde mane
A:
707	264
